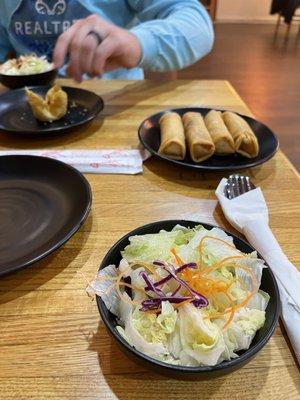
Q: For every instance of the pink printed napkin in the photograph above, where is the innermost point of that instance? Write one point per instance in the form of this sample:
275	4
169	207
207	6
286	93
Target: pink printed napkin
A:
94	161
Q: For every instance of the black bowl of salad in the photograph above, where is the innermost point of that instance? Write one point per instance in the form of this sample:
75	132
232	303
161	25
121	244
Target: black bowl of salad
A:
187	299
28	70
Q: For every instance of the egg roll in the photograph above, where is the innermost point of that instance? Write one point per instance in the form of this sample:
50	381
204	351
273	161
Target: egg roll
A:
199	141
244	138
220	135
172	139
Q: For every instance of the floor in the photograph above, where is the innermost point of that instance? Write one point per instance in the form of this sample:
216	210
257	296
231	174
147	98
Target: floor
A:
264	70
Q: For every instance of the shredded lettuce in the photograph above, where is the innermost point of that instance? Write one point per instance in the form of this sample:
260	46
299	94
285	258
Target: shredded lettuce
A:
259	301
200	338
250	320
122	333
149	247
102	286
26	65
155	328
243	328
157	245
133	329
149	333
167	318
213	250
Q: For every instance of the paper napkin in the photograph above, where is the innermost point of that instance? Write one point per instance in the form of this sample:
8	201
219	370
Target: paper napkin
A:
248	213
94	161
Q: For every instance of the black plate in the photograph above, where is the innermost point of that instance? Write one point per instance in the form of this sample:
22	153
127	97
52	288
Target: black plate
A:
18	81
268	284
149	135
16	115
43	202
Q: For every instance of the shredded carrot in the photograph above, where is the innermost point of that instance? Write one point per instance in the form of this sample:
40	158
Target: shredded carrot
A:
106	278
186	274
250	295
248	298
156	311
149	267
229	320
232	310
231	258
177	258
220	264
132	287
200	247
219	240
254	281
237	306
208	286
109	288
126	299
175	306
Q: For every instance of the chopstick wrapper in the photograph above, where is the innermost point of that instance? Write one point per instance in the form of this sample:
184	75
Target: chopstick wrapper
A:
93	161
248	213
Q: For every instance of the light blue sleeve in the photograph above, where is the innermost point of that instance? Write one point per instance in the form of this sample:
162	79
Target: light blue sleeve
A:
5	45
173	33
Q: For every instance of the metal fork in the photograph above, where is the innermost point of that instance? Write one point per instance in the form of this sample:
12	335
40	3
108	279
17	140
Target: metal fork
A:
237	185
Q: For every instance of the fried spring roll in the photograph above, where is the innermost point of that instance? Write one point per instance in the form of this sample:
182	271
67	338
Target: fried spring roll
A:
172	140
220	135
244	138
199	141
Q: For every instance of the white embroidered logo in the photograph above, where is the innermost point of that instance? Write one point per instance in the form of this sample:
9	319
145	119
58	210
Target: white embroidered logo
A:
42	7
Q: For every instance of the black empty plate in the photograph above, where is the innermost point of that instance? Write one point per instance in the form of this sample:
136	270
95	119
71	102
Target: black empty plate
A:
43	202
16	115
149	135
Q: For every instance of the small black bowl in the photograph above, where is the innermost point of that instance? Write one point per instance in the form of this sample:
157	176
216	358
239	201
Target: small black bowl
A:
18	81
268	284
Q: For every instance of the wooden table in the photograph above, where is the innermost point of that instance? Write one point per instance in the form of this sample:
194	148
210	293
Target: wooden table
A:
52	342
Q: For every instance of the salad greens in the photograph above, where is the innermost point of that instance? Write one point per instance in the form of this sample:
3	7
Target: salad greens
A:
154	246
26	65
185	297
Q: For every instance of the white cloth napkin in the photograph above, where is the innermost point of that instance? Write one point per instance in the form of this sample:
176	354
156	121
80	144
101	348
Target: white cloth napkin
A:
93	161
248	213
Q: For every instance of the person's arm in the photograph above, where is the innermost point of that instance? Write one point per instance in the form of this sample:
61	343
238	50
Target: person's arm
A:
173	33
5	46
180	36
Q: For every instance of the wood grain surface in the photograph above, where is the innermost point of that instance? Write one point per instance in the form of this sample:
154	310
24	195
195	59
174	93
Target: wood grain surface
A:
53	344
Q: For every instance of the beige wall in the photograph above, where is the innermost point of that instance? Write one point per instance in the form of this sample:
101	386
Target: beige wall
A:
244	10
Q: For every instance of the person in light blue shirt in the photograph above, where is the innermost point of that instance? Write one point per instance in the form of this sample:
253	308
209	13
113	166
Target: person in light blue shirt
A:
107	38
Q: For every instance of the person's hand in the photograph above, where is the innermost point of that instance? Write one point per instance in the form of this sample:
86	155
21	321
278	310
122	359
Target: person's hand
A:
118	48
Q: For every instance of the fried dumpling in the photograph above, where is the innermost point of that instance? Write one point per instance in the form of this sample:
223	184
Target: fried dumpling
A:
52	108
